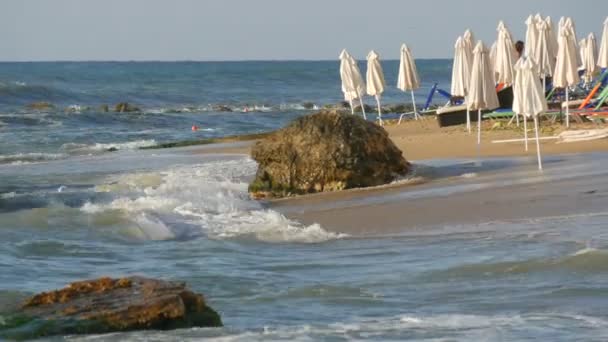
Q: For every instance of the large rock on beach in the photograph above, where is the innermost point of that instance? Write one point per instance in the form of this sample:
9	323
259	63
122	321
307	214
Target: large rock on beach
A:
327	151
110	305
125	107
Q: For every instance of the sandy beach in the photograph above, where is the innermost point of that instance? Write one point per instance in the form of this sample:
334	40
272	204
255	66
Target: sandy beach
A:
424	139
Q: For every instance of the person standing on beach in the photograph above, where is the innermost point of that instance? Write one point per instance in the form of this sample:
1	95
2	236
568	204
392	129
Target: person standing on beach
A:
519	47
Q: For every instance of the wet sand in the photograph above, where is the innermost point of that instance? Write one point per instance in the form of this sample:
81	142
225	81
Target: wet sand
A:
510	194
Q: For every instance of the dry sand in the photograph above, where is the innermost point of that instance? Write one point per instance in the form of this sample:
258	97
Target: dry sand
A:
424	139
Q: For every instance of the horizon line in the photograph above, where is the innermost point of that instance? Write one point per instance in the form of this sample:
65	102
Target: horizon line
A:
188	60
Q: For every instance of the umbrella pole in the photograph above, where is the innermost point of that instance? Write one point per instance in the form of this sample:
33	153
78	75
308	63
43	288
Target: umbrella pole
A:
517	119
352	109
468	119
540	161
567	109
525	132
362	106
479	137
414	105
379	110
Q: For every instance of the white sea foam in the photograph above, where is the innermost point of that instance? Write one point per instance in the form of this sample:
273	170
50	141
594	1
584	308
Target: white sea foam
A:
101	147
7	195
441	327
27	158
212	196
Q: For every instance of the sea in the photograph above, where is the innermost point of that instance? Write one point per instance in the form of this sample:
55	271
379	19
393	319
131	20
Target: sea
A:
80	199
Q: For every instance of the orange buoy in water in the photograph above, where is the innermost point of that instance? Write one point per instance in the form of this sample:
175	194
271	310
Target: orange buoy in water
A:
194	128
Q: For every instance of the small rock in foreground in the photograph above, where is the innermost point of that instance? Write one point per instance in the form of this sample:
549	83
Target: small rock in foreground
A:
110	305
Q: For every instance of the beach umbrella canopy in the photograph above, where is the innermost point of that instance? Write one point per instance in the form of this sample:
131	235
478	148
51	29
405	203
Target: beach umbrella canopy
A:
566	66
552	39
461	70
602	58
375	79
482	94
469	44
408	79
531	35
493	57
565	73
543	54
506	56
589	58
529	97
352	81
461	74
408	74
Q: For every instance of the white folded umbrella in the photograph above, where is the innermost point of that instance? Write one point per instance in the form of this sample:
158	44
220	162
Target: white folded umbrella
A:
588	57
602	58
482	91
506	56
543	54
552	39
461	74
529	98
375	80
469	44
531	35
566	66
352	82
408	79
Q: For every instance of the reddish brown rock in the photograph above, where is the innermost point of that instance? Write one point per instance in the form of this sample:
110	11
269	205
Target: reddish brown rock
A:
107	305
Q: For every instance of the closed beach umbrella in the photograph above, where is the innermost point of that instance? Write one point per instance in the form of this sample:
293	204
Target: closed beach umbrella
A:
566	66
493	56
461	74
531	35
552	39
482	91
543	54
529	98
506	56
589	59
602	58
469	44
408	79
352	82
375	80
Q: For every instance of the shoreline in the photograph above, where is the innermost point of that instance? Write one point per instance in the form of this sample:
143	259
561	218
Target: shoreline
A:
449	189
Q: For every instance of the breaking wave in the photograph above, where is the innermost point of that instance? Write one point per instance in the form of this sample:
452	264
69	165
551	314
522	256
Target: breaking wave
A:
28	158
211	197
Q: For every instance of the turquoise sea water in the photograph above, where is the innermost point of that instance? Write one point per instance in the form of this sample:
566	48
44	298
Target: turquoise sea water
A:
70	211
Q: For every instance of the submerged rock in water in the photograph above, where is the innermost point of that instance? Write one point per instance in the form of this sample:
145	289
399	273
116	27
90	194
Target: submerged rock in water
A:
109	305
327	151
40	106
125	107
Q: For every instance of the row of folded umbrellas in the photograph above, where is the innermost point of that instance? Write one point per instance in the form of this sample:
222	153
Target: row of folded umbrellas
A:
476	69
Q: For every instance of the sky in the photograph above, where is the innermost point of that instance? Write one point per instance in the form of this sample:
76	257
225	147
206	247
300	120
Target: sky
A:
117	30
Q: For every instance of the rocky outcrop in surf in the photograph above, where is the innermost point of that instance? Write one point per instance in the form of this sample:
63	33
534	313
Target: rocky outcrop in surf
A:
125	107
109	305
40	106
327	151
